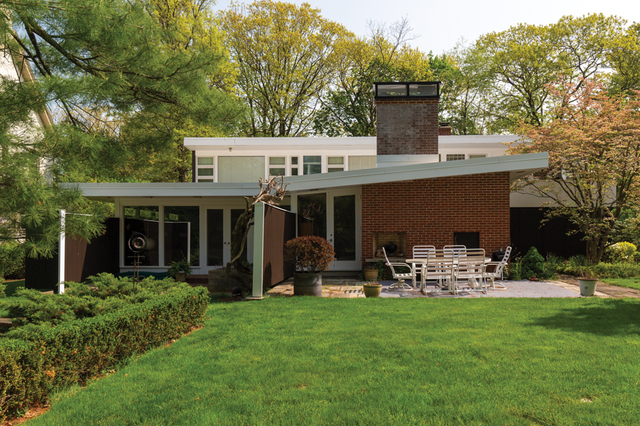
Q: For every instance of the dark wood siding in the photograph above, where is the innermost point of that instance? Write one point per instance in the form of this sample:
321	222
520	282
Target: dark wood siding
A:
550	237
279	227
82	259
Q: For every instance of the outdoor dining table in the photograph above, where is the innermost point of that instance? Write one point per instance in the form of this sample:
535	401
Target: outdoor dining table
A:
433	260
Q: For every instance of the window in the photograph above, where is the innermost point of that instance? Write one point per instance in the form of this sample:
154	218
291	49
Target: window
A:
359	162
471	156
181	234
205	169
294	166
335	164
454	157
143	222
240	169
312	164
277	166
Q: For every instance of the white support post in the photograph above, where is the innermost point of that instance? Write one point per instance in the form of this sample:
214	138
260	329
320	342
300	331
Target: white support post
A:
61	252
258	250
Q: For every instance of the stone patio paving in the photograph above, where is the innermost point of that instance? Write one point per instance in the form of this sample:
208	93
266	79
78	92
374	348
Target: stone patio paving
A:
352	288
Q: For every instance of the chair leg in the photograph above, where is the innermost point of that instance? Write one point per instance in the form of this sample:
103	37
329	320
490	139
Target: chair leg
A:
400	286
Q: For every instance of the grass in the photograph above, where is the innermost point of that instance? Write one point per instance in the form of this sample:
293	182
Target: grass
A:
311	361
623	282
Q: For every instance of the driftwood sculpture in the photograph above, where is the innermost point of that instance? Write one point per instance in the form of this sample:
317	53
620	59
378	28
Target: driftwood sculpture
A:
272	191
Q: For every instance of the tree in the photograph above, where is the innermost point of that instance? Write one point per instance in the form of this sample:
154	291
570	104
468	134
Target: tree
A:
96	64
466	86
348	109
285	56
525	58
594	159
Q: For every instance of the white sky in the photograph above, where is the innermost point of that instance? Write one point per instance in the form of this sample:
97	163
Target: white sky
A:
439	25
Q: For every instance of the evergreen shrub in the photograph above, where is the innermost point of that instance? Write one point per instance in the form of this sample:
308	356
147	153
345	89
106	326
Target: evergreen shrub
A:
75	351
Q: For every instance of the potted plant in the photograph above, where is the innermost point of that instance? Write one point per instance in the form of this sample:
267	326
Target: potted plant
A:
372	289
179	270
587	282
311	256
370	273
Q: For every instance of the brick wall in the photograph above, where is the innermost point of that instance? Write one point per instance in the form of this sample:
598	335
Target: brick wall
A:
407	126
431	210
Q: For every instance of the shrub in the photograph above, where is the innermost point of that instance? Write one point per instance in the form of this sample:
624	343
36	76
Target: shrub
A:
620	252
533	265
309	254
106	294
11	260
2	287
75	351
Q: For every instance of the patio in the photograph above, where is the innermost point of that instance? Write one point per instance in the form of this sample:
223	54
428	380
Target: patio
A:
352	288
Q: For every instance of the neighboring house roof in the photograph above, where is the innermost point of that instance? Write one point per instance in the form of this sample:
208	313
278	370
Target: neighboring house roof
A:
516	165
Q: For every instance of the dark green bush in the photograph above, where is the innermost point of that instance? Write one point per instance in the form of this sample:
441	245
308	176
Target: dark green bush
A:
78	350
106	294
11	260
533	265
604	270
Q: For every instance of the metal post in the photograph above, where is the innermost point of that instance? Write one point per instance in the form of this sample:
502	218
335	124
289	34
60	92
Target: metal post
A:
258	247
61	252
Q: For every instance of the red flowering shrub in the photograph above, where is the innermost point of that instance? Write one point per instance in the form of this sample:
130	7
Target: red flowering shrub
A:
309	254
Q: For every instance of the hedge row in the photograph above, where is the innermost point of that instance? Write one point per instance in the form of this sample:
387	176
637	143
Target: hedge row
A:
603	270
78	350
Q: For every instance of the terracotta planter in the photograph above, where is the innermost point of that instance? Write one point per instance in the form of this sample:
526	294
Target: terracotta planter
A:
372	290
307	284
587	286
370	274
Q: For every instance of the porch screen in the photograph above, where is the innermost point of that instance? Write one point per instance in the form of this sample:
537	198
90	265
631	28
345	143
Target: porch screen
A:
240	169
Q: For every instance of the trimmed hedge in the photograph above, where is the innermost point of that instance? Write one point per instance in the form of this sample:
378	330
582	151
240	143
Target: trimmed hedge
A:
604	270
78	350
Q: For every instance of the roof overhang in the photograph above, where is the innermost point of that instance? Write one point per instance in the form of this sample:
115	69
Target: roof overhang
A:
516	165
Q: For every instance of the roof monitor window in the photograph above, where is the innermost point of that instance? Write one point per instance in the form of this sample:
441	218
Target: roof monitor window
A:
385	90
423	90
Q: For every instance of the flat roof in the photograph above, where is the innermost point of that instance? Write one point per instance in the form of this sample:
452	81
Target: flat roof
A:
517	166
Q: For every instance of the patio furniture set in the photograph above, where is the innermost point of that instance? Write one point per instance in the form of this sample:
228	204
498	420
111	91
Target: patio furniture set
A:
453	268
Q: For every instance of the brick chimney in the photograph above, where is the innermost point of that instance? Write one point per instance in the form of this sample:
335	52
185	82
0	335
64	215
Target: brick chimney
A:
444	129
407	122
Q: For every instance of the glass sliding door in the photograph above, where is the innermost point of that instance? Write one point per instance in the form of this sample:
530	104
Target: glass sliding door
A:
334	215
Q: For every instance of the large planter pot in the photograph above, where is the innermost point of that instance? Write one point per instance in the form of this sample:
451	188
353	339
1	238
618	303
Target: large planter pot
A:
587	286
372	290
370	274
307	283
181	276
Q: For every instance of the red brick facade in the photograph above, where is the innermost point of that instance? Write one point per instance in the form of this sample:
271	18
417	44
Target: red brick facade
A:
407	126
429	211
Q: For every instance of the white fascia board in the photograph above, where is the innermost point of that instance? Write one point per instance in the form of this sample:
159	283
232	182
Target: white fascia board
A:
171	189
260	146
517	165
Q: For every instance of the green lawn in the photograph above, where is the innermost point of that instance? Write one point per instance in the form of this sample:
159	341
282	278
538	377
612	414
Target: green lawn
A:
623	282
311	361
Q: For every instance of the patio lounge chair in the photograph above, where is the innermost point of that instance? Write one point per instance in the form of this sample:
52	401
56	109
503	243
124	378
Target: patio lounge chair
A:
401	285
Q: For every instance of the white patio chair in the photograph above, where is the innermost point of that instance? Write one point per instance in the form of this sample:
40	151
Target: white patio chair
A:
497	271
471	271
422	252
457	250
401	285
443	268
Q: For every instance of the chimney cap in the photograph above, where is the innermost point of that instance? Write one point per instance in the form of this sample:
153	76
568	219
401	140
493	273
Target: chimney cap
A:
407	90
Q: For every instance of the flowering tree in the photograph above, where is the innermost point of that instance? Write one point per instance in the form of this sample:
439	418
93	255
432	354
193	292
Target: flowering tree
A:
594	159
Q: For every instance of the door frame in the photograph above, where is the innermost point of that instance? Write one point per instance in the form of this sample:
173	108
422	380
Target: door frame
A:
336	265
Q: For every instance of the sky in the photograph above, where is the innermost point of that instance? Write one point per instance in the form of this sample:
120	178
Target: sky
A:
440	25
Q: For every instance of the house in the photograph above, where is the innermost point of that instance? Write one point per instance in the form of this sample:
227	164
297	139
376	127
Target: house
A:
360	193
